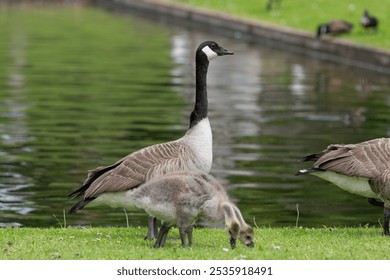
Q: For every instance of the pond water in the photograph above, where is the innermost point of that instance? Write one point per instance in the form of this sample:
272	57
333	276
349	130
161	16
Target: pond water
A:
80	88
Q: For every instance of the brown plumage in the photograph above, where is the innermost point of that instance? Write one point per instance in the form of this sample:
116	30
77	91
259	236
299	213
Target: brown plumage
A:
334	27
362	168
192	152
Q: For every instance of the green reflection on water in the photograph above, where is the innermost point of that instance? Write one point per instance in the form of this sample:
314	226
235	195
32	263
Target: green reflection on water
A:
80	88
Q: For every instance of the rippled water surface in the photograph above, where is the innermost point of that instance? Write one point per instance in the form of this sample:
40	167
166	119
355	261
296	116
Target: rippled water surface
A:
80	88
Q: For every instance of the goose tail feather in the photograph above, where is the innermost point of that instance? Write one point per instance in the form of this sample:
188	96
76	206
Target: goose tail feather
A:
80	205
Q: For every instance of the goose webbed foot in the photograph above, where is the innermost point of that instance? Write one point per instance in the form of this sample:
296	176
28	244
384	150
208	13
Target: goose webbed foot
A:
162	236
375	202
386	214
152	228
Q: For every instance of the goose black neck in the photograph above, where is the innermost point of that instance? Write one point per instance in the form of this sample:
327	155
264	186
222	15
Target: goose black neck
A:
201	103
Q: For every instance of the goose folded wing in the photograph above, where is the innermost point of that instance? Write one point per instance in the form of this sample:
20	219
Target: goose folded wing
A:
368	159
138	167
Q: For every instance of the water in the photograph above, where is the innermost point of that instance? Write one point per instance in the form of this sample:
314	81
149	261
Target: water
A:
89	87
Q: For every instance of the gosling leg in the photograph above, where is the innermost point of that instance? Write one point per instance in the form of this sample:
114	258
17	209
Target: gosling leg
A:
152	228
162	236
183	236
189	234
386	220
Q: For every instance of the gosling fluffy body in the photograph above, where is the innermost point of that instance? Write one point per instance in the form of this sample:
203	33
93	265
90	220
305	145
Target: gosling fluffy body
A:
182	199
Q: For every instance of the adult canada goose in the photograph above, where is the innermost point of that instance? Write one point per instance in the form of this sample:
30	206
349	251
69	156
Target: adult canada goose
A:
181	199
334	27
368	22
191	152
362	169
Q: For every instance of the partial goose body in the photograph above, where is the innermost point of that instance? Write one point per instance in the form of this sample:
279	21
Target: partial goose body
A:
369	22
334	27
182	199
192	152
362	169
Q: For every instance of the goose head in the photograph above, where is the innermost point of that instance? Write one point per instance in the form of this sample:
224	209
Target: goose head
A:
211	50
322	29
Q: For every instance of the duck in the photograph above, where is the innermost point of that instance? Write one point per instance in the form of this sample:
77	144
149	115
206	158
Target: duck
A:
191	152
334	27
181	199
362	169
368	22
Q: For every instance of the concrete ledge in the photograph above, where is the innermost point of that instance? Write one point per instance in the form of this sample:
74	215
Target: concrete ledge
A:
332	49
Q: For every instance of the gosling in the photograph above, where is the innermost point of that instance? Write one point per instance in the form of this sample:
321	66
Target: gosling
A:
182	199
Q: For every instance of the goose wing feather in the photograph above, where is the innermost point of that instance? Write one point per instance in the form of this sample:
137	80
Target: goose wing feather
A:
140	166
368	159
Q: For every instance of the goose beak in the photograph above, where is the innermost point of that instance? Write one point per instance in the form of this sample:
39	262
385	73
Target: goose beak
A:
232	243
224	52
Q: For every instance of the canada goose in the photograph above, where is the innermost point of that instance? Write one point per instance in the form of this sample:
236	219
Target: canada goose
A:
193	151
181	199
368	22
362	169
334	27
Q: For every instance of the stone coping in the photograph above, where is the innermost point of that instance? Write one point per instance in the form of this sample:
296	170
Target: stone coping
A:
330	48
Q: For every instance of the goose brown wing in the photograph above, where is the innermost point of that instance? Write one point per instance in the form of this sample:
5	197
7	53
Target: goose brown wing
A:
140	166
367	159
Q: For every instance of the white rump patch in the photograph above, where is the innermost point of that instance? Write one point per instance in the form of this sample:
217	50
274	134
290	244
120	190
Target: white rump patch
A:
355	185
209	53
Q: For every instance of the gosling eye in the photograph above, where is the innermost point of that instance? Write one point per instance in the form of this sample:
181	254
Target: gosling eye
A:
248	237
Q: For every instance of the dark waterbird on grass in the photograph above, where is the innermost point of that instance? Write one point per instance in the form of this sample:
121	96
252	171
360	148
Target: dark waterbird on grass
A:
362	169
192	152
369	22
334	27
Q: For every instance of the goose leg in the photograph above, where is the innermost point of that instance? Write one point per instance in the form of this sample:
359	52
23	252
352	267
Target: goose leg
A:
152	228
162	236
386	220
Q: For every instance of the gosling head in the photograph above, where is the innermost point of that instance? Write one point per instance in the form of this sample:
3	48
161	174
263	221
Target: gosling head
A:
211	49
244	234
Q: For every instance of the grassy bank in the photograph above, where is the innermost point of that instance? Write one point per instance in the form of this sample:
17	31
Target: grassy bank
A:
304	15
128	243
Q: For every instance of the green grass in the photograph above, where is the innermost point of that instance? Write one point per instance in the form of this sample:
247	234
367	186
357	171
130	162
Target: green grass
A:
128	243
306	15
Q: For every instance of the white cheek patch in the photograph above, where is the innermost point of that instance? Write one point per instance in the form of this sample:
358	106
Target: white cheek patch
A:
209	53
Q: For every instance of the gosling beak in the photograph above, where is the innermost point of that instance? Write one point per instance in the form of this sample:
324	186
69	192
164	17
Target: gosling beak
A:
232	243
251	245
